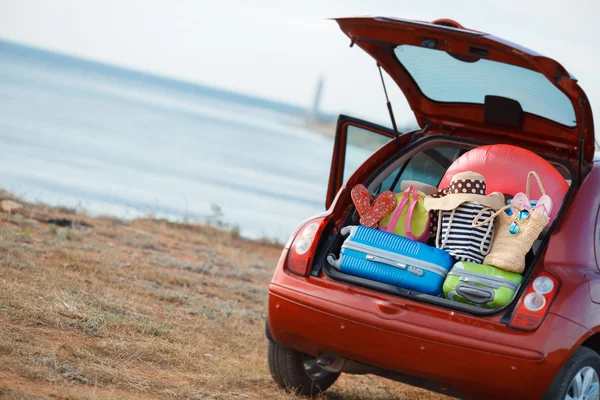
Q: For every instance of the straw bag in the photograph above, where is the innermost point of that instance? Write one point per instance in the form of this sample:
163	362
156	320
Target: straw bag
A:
523	201
515	233
513	237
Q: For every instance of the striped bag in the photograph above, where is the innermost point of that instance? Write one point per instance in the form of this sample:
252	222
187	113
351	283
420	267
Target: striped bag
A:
457	235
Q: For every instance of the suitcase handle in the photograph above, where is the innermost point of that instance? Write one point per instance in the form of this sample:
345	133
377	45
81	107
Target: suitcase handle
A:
481	281
475	294
386	261
335	263
348	230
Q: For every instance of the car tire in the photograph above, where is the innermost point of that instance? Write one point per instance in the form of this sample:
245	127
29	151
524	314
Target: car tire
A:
571	379
298	372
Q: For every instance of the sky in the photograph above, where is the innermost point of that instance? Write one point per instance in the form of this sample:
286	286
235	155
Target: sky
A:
278	49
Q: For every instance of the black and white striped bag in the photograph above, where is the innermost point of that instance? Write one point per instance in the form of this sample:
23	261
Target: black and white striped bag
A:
456	235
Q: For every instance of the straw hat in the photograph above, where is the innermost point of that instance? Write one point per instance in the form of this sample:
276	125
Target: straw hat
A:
464	186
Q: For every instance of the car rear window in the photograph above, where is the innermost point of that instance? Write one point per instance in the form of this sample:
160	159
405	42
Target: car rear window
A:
443	78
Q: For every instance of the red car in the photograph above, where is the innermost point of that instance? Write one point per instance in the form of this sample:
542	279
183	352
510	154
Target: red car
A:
322	322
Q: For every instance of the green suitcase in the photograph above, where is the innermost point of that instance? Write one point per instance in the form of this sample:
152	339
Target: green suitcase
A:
481	285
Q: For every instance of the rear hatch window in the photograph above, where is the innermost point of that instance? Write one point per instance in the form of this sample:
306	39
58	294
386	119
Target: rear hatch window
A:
444	78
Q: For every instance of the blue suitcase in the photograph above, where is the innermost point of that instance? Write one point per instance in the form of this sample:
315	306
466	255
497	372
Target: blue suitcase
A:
387	258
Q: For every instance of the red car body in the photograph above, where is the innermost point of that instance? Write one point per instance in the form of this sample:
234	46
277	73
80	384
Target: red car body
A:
423	344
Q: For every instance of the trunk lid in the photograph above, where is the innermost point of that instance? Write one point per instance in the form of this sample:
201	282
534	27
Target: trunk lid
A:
473	84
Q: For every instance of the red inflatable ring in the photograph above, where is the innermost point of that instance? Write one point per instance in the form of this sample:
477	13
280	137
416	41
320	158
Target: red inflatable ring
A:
505	168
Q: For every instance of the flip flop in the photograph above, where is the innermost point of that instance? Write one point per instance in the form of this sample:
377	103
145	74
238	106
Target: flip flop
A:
361	199
371	214
521	201
382	206
544	205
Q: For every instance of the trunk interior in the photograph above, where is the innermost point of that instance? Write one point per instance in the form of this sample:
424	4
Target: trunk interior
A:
426	161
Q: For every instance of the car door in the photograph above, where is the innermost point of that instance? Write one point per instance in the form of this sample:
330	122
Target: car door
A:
597	238
355	141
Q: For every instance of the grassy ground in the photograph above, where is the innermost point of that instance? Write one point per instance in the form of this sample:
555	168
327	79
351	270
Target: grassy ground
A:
140	309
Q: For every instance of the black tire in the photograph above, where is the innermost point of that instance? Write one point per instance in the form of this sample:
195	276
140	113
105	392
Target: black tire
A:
582	358
288	369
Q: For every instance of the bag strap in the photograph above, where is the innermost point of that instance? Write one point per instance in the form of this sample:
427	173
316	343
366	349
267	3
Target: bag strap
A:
447	233
482	244
426	232
397	213
411	209
476	224
473	224
439	230
539	182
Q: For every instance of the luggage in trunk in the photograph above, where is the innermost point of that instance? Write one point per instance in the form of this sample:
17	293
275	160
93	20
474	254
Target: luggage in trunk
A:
481	285
387	258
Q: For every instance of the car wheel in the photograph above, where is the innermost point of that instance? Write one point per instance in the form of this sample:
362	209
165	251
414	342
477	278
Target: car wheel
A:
298	372
578	378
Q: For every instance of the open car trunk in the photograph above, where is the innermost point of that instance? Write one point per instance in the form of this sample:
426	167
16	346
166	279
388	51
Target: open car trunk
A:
332	238
467	89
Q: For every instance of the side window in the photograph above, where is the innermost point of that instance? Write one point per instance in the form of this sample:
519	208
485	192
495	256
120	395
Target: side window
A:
360	144
355	141
428	167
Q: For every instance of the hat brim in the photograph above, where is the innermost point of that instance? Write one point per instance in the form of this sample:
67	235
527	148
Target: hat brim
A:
451	201
421	187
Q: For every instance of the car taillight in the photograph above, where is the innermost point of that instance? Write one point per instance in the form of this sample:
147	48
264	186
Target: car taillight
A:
303	245
535	302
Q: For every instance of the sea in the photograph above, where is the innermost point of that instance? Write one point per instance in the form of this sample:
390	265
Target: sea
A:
110	141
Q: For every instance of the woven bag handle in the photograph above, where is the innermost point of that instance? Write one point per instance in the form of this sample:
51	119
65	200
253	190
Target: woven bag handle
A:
539	182
491	217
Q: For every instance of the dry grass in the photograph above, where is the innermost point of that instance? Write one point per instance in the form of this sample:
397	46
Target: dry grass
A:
141	309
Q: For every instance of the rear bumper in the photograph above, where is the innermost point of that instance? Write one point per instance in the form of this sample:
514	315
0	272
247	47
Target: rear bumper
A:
480	358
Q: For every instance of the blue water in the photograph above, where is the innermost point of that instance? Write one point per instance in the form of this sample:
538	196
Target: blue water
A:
116	142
